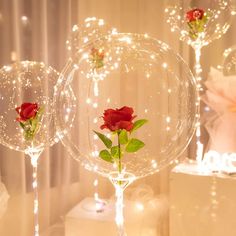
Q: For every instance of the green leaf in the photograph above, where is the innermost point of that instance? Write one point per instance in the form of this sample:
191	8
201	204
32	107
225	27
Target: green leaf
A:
28	135
138	124
34	123
99	64
190	24
115	151
134	145
106	156
105	140
39	113
204	19
123	137
22	125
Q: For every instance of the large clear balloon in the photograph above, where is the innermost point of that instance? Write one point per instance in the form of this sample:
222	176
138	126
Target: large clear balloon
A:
134	71
30	83
199	22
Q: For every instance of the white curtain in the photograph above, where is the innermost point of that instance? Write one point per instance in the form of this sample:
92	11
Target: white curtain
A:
37	30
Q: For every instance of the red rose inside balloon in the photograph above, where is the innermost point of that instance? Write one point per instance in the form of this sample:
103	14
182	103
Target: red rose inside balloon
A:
30	115
196	20
97	57
195	14
120	123
27	111
115	119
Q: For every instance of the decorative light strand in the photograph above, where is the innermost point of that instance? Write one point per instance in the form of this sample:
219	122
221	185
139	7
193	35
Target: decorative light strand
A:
34	163
214	197
119	211
198	70
99	204
120	181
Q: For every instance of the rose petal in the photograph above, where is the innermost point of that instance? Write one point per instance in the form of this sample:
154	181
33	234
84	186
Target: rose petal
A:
128	110
25	105
115	119
19	119
28	112
18	110
194	14
108	111
125	125
103	126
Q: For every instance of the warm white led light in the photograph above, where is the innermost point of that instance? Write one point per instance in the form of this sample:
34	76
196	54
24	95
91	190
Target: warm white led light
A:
139	206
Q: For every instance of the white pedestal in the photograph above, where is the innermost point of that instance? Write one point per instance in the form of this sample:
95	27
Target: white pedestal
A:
85	221
201	204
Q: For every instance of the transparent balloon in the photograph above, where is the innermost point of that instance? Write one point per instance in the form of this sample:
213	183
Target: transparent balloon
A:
27	122
229	61
27	82
196	29
138	72
91	29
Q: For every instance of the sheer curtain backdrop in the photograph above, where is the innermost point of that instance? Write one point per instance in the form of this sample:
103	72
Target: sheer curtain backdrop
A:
37	30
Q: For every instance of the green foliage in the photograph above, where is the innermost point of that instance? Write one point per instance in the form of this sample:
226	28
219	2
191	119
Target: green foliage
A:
106	156
198	26
98	61
115	152
123	137
104	139
22	125
138	124
134	145
125	143
32	125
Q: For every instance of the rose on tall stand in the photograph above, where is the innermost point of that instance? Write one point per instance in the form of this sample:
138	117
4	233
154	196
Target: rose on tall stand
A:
27	121
133	63
198	26
120	122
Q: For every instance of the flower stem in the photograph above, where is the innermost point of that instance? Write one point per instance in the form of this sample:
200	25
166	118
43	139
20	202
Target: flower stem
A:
119	153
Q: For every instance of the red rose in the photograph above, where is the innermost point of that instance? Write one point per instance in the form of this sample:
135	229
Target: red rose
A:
116	119
97	53
27	111
195	14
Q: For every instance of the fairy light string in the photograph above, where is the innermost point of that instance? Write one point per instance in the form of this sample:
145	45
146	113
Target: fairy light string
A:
34	163
198	70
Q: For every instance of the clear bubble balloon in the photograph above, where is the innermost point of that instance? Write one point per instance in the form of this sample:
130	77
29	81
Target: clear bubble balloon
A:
199	22
91	29
138	72
26	101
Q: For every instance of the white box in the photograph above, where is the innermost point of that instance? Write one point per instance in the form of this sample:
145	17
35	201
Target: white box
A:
201	204
83	220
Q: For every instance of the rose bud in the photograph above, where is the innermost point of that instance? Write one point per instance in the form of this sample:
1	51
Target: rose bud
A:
195	14
27	111
117	119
